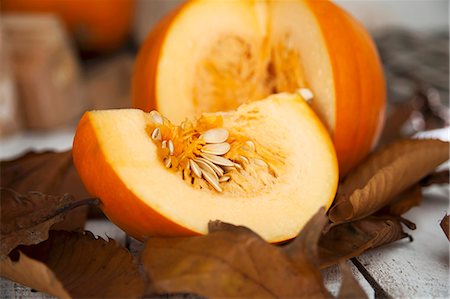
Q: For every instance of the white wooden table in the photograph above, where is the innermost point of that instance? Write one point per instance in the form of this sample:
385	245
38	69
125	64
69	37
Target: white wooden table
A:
418	269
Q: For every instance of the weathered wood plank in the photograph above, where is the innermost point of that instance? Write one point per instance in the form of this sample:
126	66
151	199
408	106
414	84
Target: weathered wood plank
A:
12	290
420	268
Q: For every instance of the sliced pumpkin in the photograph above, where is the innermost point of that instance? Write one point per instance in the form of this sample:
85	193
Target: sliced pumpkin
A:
269	165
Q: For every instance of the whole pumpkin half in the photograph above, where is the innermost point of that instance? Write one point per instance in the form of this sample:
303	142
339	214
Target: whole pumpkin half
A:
209	56
96	25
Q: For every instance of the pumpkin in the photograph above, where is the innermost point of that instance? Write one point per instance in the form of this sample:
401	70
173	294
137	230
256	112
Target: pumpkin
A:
210	56
99	25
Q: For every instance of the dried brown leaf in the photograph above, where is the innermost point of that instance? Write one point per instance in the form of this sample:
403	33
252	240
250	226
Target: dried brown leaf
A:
397	117
26	219
385	174
231	261
350	288
45	172
50	173
406	200
436	178
33	274
351	239
76	265
303	249
445	226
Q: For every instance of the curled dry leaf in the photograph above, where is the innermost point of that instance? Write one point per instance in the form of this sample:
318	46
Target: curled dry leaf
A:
303	249
77	265
49	173
397	116
445	226
46	172
403	202
385	174
33	274
232	261
436	178
26	219
351	239
350	288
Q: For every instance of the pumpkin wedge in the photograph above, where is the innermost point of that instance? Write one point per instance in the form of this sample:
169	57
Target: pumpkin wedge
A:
211	56
269	165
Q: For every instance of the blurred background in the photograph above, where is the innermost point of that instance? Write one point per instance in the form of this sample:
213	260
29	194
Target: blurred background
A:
59	58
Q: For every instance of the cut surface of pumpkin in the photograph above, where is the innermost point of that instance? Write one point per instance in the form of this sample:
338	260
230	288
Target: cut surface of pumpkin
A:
269	165
212	56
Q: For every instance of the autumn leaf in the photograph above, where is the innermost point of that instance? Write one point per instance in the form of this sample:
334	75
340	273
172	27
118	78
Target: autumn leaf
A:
75	265
403	202
436	178
34	274
46	172
50	173
397	116
351	239
445	226
231	261
385	174
26	219
303	250
350	288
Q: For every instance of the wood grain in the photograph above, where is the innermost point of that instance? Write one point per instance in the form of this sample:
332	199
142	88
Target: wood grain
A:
420	268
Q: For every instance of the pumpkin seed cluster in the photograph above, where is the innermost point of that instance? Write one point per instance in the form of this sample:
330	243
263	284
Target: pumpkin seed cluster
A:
201	155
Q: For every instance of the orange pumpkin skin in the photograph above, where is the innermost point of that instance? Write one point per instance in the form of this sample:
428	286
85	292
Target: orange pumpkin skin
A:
129	206
143	85
360	92
100	25
359	83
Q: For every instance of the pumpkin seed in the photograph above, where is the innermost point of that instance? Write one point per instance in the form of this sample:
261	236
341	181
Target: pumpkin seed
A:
218	160
216	168
216	148
215	135
224	178
171	147
250	144
306	94
206	168
243	158
168	162
156	117
238	166
212	180
228	168
195	168
260	162
164	144
156	134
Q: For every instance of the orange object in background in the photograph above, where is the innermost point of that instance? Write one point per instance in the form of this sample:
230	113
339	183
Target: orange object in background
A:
99	26
200	56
